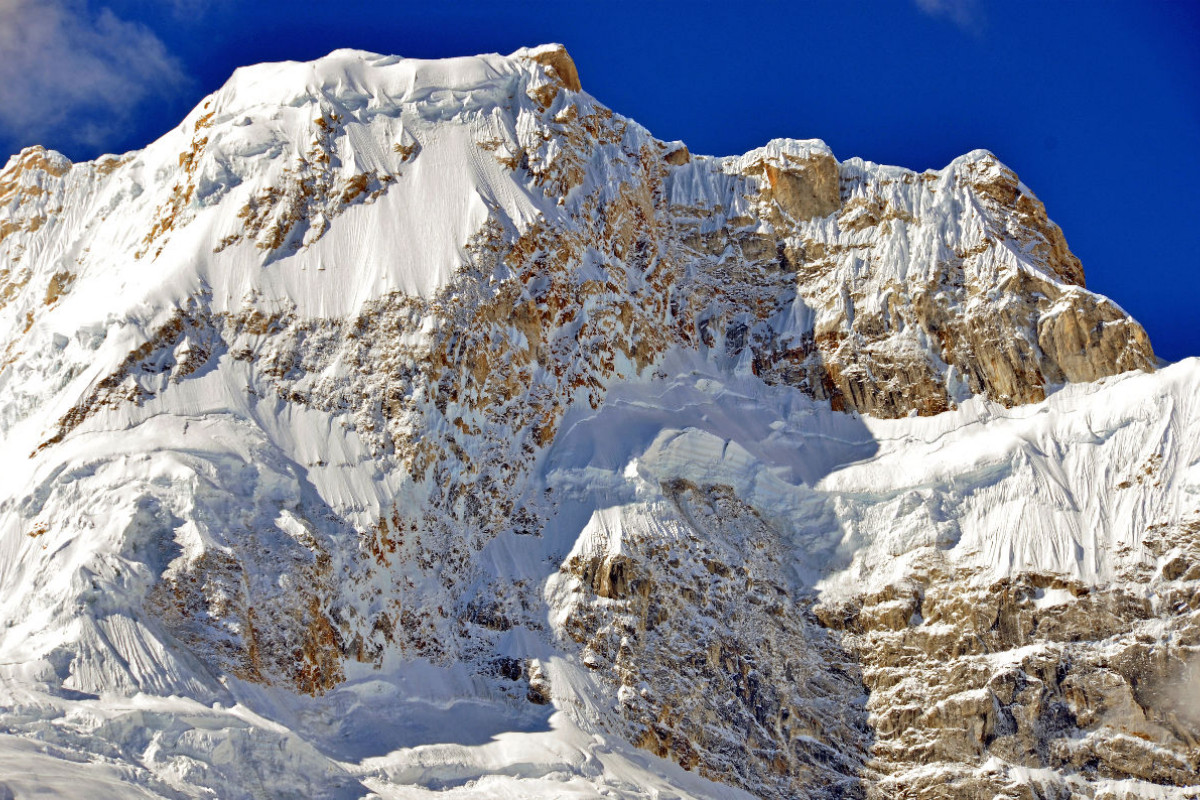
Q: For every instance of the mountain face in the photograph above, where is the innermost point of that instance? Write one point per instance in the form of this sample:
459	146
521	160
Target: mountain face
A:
400	427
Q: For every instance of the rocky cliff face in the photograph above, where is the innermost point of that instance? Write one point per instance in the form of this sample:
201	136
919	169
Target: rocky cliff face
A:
1078	684
379	368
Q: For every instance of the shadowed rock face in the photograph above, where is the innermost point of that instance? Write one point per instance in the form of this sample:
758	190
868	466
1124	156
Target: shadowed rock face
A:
698	634
1087	683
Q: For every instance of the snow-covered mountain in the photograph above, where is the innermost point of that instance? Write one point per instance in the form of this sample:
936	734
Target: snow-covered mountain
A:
426	427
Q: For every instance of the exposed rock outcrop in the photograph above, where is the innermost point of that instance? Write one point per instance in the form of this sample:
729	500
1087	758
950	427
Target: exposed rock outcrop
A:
697	633
1080	684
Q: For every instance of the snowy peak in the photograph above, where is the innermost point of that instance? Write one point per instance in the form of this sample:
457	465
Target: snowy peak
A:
259	170
319	188
357	80
380	373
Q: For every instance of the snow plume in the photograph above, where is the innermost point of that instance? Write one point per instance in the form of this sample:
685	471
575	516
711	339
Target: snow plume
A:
72	74
192	8
966	14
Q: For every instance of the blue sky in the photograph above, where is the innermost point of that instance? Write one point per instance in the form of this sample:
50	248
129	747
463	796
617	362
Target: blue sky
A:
1096	105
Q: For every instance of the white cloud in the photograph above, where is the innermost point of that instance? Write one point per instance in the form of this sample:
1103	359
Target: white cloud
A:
72	74
966	14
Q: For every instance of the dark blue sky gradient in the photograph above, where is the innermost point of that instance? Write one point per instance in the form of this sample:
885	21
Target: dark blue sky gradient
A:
1095	105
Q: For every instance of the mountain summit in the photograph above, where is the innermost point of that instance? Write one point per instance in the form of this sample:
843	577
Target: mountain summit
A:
402	426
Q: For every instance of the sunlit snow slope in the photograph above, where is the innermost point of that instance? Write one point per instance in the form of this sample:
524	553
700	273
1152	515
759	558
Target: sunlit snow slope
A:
409	428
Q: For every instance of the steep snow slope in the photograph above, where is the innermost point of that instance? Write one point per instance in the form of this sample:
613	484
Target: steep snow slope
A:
811	477
403	427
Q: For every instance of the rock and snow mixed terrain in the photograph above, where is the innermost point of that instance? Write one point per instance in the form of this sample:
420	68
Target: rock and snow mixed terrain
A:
426	428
